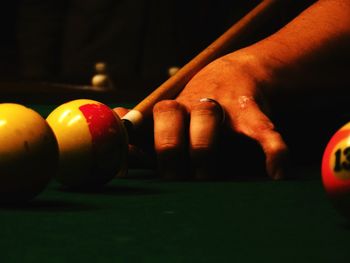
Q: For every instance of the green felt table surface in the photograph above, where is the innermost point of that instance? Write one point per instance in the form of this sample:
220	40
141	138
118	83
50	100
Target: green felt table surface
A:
145	219
150	220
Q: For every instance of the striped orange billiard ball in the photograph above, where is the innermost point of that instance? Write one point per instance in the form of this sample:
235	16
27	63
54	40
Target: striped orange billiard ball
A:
336	170
92	143
28	153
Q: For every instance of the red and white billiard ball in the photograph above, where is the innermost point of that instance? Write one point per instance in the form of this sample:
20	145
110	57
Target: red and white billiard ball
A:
336	170
28	153
92	143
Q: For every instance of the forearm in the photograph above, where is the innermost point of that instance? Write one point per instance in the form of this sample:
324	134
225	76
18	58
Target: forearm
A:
321	33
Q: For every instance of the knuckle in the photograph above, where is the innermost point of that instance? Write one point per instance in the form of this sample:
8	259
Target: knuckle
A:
168	148
202	146
167	105
205	108
167	144
255	130
276	145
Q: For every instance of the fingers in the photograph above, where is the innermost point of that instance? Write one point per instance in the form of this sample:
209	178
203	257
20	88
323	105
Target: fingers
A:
206	119
252	122
276	152
170	138
183	141
184	150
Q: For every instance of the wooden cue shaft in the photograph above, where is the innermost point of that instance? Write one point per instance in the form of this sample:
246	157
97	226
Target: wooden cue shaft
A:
173	86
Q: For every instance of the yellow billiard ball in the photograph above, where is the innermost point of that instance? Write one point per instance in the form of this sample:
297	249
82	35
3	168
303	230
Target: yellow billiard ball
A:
92	143
336	170
28	153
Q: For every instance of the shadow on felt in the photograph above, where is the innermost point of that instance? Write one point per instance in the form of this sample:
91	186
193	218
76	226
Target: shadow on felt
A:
48	205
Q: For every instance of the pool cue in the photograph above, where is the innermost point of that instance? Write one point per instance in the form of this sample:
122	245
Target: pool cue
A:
173	86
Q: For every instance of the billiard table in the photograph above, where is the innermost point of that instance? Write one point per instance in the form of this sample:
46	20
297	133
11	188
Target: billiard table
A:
146	219
142	218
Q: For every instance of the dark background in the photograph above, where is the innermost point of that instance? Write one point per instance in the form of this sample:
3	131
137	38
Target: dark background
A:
60	41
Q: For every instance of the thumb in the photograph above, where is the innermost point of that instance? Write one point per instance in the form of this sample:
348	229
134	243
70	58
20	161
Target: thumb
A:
253	123
276	153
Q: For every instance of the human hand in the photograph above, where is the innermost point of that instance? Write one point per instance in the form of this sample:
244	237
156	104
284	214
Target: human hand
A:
191	135
186	127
